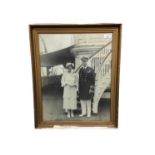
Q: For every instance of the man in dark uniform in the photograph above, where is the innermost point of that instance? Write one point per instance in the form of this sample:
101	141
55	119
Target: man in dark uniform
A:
86	87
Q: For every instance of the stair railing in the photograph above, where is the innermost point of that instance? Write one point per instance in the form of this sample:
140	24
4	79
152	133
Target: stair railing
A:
97	52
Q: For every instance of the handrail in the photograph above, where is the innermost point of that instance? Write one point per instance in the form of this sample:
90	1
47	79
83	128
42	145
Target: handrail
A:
104	60
96	53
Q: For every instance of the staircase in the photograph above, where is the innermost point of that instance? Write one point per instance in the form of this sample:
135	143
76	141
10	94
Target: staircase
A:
102	82
101	63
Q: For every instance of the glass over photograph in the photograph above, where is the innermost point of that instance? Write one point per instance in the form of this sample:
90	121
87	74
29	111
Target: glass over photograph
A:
76	76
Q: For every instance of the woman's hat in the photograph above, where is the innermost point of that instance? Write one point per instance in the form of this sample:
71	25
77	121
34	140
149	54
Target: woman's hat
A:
69	64
84	59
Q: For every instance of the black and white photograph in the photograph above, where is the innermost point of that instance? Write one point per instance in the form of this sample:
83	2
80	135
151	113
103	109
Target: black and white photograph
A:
76	76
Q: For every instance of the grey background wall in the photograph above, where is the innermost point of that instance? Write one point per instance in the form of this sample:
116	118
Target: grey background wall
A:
135	134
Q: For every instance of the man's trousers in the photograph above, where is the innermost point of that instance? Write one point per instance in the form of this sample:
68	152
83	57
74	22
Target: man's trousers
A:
86	107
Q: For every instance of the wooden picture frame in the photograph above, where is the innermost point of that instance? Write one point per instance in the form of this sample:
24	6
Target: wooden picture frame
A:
40	35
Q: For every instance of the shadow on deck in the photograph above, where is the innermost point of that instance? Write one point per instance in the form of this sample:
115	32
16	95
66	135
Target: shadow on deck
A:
52	106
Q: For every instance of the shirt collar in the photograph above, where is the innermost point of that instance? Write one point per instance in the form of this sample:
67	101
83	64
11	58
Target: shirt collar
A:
84	67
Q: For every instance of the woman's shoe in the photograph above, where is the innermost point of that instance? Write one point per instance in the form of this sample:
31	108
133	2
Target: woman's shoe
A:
72	114
68	115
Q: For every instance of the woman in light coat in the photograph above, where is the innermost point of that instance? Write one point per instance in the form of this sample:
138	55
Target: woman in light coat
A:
70	83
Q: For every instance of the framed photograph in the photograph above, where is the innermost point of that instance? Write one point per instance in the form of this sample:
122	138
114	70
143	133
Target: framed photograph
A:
75	74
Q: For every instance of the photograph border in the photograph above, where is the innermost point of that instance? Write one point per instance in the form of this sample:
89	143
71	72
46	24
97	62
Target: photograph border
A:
35	30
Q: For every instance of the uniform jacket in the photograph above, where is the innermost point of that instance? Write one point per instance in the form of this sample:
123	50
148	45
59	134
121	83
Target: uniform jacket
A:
86	83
